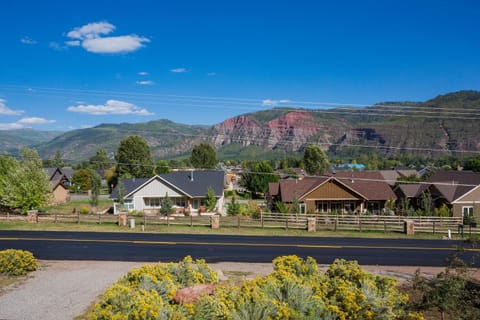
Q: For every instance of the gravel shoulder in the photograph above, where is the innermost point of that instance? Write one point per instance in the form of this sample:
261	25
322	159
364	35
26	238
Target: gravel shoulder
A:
62	290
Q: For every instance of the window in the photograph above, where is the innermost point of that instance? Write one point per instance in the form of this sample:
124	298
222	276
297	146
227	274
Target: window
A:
128	204
179	202
467	211
152	202
302	208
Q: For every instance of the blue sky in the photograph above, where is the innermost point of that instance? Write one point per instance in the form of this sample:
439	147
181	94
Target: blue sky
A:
66	65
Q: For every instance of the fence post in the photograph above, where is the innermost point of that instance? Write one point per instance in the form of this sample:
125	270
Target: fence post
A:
336	223
434	226
385	226
286	222
144	220
168	220
99	219
360	224
55	217
191	220
78	216
238	221
261	218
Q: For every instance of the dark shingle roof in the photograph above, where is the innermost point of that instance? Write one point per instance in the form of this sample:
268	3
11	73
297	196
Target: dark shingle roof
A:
194	183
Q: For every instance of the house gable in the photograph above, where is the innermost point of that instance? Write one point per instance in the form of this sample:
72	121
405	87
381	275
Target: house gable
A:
472	196
332	190
155	187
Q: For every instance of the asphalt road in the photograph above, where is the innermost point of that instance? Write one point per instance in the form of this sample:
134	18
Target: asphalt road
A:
146	247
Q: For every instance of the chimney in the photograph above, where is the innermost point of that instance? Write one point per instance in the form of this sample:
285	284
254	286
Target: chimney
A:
191	175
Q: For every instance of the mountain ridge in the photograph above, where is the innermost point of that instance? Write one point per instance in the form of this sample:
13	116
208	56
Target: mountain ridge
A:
441	124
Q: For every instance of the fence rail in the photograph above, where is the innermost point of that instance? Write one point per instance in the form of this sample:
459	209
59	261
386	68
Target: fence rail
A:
270	220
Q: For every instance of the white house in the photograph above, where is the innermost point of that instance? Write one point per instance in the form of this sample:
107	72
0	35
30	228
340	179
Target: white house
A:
186	189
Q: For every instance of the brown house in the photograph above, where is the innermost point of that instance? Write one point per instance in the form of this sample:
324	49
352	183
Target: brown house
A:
458	190
343	192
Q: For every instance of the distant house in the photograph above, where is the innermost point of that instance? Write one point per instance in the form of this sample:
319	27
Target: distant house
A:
342	192
458	190
59	182
186	189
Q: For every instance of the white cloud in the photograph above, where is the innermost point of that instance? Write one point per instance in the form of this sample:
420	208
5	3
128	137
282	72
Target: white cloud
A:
110	107
35	120
145	82
179	70
28	40
92	38
10	126
272	103
56	46
73	43
143	73
120	44
4	110
211	74
24	123
91	30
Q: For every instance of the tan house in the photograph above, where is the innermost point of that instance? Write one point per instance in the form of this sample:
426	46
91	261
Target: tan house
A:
343	192
59	182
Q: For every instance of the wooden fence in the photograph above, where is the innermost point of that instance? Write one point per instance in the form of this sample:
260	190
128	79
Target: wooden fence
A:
429	224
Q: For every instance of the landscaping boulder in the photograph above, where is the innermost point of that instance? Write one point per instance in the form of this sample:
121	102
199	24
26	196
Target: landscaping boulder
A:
193	293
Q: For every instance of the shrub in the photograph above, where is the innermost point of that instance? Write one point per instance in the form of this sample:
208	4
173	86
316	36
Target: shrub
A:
296	289
17	262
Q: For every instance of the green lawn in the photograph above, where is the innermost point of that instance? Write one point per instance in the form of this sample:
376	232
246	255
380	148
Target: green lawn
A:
113	227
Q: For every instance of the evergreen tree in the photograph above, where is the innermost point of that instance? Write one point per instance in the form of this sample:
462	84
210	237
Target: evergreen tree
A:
315	160
210	199
134	158
166	206
203	156
100	160
58	161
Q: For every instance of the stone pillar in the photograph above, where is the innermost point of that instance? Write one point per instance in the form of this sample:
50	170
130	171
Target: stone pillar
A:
122	220
215	221
32	216
311	224
408	227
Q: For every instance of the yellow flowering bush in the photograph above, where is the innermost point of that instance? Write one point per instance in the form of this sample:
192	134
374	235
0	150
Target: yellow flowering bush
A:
296	289
17	262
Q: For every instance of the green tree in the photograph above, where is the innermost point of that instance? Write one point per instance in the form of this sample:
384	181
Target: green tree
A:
58	161
257	175
210	199
203	156
427	202
24	184
161	166
315	160
234	207
96	182
100	160
134	158
81	180
166	205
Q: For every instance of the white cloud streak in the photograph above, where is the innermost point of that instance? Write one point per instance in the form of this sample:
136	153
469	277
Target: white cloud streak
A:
4	110
272	103
28	40
110	107
179	70
35	120
92	38
143	73
25	123
145	83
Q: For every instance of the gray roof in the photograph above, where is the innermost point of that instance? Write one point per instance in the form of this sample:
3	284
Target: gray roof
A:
192	183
